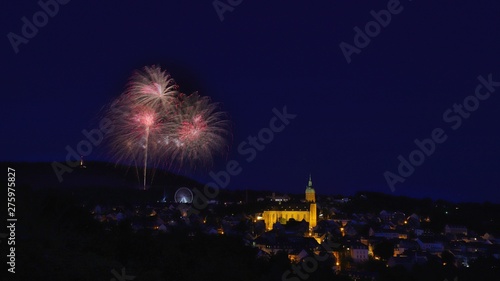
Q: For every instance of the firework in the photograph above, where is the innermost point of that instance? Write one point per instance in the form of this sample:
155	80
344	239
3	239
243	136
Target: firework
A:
155	124
199	129
153	88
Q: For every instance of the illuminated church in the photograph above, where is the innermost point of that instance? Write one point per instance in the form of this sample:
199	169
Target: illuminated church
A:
297	211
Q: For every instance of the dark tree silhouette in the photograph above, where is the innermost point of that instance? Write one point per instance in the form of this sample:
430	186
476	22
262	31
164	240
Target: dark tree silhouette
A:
384	250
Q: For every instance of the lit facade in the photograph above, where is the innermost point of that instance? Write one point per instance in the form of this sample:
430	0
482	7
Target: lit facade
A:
298	212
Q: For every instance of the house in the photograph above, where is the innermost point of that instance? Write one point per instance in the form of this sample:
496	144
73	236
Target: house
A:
278	198
387	234
404	261
455	229
476	247
430	245
401	245
162	228
271	242
413	221
350	230
296	256
488	236
120	216
325	226
371	241
385	216
407	261
357	251
342	221
418	231
398	218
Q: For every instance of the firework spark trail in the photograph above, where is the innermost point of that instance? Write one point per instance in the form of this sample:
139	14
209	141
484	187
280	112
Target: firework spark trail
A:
154	123
146	119
146	157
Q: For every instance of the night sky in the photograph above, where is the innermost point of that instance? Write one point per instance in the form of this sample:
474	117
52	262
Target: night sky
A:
352	121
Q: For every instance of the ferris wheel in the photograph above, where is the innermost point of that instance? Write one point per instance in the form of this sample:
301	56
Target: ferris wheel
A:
183	195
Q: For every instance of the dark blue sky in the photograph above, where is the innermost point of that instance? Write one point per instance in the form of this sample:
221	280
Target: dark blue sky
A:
353	119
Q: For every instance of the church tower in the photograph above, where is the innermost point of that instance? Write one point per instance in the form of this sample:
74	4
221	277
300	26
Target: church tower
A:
311	198
310	193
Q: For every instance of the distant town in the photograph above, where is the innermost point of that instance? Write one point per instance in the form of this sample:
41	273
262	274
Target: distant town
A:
308	231
268	235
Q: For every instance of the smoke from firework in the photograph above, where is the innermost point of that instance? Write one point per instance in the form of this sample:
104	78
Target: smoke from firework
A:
155	124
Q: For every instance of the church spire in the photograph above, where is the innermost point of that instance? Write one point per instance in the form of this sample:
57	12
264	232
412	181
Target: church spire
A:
310	193
309	184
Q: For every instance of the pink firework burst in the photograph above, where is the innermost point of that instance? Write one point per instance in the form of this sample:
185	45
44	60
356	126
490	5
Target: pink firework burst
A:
200	129
136	134
154	124
192	130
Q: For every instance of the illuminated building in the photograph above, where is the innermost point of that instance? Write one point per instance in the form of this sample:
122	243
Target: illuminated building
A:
297	211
